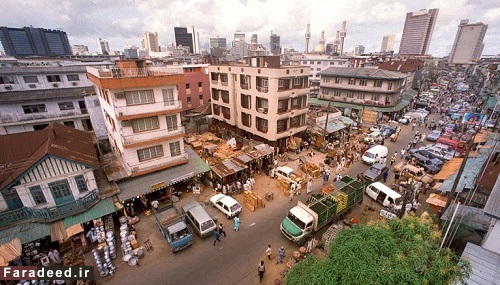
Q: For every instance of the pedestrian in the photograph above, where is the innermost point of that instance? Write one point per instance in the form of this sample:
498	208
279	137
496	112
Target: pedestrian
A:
221	230
422	138
268	252
393	159
309	186
326	176
236	223
415	205
339	177
281	254
224	189
385	175
54	257
216	236
426	187
413	126
238	186
261	270
403	151
252	182
408	147
384	160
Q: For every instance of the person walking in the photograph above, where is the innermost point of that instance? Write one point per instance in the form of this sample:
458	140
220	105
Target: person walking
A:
216	236
309	186
236	223
393	158
385	175
261	269
403	151
54	257
221	230
268	252
281	254
426	187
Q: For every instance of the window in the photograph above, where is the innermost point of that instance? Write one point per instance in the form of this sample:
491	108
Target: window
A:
70	124
263	83
38	108
298	81
295	102
324	91
336	93
360	96
389	86
53	78
318	62
375	97
39	127
175	148
350	95
326	79
338	80
66	106
60	188
352	81
311	62
7	80
37	193
188	85
378	83
246	101
150	152
200	97
246	119
200	84
168	96
73	77
215	94
145	124
139	97
362	82
225	96
81	183
188	99
171	122
30	79
281	83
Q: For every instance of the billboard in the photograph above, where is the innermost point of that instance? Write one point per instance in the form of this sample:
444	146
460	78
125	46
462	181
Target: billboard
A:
473	119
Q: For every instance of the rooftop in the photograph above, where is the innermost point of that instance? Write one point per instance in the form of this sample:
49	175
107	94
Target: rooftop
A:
362	73
45	94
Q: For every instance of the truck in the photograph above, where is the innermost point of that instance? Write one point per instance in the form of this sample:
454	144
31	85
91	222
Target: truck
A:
173	227
307	218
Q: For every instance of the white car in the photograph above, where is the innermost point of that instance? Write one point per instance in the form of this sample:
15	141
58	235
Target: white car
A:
226	205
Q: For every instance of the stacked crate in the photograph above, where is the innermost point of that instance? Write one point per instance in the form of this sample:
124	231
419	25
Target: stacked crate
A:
253	201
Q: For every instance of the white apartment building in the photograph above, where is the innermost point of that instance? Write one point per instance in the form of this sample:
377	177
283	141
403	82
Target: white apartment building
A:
141	109
318	63
33	97
261	100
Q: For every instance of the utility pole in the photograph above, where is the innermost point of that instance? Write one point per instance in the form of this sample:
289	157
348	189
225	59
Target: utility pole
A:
326	121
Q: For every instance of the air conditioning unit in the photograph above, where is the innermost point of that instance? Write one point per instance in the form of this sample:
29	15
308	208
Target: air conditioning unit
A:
120	95
74	83
8	87
120	114
55	85
260	110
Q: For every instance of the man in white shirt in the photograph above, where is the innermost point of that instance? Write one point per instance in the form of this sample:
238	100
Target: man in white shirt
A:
54	257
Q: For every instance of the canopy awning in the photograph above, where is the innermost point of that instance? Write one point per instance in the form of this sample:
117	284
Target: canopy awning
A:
9	251
103	208
227	167
449	168
25	232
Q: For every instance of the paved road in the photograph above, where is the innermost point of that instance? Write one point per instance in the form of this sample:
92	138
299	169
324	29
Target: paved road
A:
235	259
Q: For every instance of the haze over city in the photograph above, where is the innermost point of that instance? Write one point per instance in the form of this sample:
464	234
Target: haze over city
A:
123	23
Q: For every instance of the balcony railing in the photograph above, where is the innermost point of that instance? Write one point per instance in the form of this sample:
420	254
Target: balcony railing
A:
116	72
150	136
16	117
262	89
245	86
148	108
48	214
174	160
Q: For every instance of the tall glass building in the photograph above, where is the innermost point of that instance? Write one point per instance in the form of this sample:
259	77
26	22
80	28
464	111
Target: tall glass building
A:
29	41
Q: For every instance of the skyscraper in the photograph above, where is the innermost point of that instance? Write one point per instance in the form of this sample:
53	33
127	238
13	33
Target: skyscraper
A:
102	46
238	35
183	38
196	40
30	41
275	44
417	32
388	43
150	42
218	43
468	44
343	33
359	50
253	39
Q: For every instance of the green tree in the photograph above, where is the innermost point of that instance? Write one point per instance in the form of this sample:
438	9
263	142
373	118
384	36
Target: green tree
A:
399	251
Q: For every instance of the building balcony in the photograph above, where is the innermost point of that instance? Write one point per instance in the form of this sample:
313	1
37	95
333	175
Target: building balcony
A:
146	138
357	88
214	81
244	86
173	161
43	117
48	214
116	72
129	78
224	83
262	89
148	110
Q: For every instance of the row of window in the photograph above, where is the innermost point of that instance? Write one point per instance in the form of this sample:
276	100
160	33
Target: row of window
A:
323	62
246	120
157	151
59	189
361	82
152	123
34	78
349	94
41	108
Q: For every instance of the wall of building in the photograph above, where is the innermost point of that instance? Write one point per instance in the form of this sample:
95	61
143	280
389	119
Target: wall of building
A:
194	76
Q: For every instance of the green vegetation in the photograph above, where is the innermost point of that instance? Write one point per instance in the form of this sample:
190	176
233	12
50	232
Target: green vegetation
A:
399	251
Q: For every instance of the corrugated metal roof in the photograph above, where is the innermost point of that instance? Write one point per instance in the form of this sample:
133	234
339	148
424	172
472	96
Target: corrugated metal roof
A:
264	148
492	207
244	158
227	167
26	232
450	167
103	208
471	170
485	265
469	216
45	94
140	185
21	151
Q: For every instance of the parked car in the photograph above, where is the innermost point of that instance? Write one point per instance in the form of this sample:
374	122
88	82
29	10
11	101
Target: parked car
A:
405	120
414	172
431	166
375	171
425	153
373	137
439	153
388	131
226	205
433	136
376	128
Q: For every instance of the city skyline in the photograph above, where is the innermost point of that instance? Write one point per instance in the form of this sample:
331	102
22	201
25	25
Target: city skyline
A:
124	23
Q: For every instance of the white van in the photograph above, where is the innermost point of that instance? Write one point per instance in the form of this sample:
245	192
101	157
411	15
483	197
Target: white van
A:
375	154
202	223
384	195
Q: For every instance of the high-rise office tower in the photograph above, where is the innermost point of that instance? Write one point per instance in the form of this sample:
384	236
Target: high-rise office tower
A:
274	44
238	35
102	46
468	44
417	32
336	42
218	43
79	49
253	39
183	38
150	42
388	43
196	40
343	33
359	50
30	41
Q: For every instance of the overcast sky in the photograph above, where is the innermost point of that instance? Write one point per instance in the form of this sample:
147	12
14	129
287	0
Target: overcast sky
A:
123	22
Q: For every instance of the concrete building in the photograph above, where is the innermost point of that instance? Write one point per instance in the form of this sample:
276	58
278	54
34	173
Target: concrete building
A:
359	50
261	99
183	38
80	49
274	44
468	44
253	39
343	34
29	41
369	93
196	40
195	90
103	46
150	42
388	43
238	35
318	63
417	32
33	97
131	52
218	43
142	109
